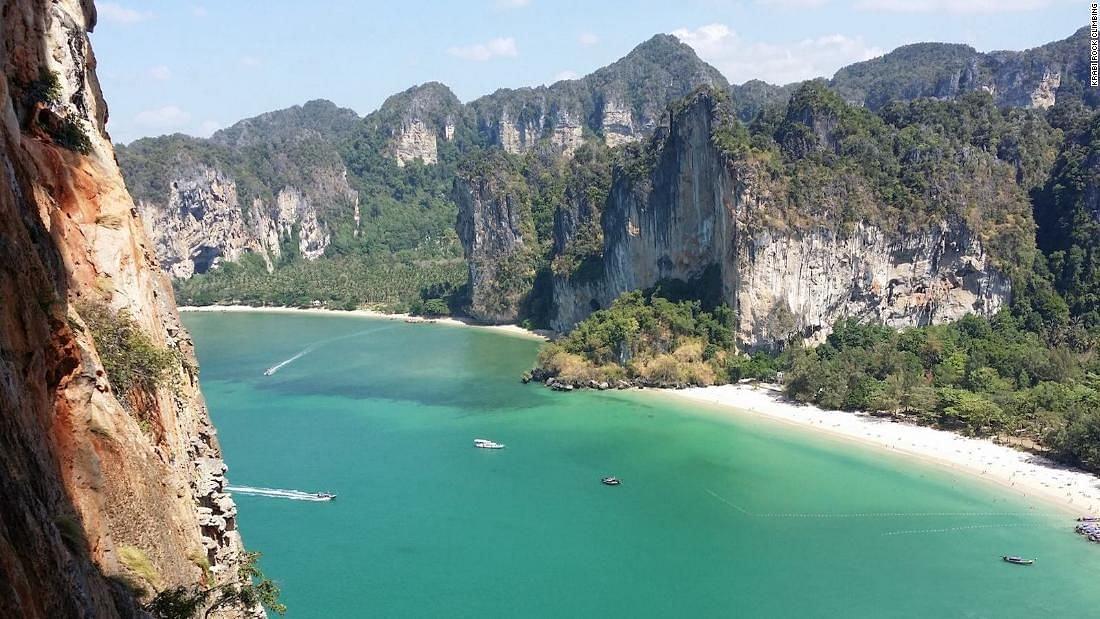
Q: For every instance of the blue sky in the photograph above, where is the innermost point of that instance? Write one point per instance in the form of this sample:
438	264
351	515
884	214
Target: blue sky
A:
193	67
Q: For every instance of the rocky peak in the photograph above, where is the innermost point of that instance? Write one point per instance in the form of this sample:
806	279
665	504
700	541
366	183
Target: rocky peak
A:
813	116
319	118
621	102
417	120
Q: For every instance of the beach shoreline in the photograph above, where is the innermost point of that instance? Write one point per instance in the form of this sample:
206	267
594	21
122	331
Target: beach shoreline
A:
448	321
1028	476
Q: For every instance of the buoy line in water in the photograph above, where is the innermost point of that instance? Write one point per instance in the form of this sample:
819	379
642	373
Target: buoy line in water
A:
276	493
810	515
967	528
314	346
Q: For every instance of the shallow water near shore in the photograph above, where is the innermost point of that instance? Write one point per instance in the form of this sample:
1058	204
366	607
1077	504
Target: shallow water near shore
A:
718	515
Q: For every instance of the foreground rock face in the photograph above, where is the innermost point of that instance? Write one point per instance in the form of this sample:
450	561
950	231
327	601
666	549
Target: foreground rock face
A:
85	486
696	212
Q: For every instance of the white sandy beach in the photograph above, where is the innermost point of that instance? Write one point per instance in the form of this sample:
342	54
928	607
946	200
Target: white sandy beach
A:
514	330
1030	476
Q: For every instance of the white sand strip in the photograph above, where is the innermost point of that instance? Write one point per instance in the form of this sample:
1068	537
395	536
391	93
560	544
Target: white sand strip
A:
514	330
1027	475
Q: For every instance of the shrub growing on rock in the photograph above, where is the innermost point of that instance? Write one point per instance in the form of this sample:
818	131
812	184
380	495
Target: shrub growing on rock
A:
135	365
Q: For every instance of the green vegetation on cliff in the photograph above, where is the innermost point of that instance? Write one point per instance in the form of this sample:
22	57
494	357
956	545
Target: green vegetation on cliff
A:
662	337
135	365
644	338
1068	214
828	163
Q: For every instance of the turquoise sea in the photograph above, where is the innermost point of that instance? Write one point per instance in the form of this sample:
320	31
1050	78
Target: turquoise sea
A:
718	516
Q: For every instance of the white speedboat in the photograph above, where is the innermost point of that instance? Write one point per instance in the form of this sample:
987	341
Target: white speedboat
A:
485	443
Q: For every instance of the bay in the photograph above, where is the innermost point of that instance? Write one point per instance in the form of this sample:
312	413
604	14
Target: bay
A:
719	515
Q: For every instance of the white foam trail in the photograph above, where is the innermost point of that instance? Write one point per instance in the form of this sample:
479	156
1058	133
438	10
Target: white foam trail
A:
305	351
275	368
276	493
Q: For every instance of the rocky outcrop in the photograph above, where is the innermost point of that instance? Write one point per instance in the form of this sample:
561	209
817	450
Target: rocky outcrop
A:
697	212
88	486
201	221
200	224
617	122
800	284
1045	94
415	140
417	121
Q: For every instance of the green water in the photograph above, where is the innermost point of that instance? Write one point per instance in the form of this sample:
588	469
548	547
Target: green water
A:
717	516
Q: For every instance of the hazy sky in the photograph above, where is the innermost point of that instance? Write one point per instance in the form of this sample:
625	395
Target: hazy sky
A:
193	67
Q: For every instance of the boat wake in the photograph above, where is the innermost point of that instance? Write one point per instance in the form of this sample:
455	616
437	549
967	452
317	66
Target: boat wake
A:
314	346
276	493
275	368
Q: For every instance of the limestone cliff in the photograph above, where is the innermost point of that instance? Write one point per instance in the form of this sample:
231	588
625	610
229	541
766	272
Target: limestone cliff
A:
93	493
699	211
495	227
262	186
417	121
202	222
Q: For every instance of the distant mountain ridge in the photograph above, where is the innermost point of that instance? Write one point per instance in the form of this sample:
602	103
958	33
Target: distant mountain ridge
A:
1029	78
317	180
284	183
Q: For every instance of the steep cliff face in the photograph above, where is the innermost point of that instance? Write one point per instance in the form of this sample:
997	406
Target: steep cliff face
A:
262	186
201	223
698	211
94	494
495	228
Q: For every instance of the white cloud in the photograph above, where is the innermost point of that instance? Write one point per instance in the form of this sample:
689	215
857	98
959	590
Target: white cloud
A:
741	60
512	4
118	14
566	75
207	127
588	39
952	6
480	52
250	61
199	11
160	72
165	118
